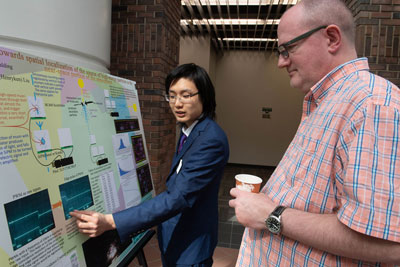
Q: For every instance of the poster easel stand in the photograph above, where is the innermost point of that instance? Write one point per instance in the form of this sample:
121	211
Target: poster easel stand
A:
137	251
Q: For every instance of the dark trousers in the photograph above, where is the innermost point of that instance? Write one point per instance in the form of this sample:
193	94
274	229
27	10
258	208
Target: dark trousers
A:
206	263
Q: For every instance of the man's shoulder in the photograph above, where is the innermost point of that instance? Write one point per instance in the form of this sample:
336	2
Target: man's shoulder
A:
211	128
208	122
368	87
384	92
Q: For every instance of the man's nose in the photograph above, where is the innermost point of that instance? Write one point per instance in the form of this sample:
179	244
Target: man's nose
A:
178	102
283	62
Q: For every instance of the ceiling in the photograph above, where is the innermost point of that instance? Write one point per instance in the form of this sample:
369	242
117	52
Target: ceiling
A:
234	24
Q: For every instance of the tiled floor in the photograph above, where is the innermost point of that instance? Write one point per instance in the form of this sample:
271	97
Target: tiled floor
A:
223	257
230	231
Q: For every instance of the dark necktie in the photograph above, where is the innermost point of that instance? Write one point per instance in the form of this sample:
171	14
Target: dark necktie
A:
181	142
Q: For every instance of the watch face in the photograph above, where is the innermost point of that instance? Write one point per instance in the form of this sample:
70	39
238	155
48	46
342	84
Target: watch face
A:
273	224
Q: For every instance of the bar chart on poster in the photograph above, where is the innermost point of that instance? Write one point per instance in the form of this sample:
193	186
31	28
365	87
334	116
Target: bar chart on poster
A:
70	139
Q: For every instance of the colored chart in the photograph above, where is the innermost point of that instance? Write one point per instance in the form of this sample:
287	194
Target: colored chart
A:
69	138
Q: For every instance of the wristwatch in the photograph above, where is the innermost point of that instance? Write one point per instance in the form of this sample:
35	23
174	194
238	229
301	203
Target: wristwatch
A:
274	222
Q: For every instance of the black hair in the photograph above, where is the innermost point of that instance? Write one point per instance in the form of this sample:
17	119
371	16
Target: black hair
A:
202	81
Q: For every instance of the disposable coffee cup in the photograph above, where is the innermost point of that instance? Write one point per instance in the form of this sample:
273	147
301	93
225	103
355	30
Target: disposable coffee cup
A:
248	182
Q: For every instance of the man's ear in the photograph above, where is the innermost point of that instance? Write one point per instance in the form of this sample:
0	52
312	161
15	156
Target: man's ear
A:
334	35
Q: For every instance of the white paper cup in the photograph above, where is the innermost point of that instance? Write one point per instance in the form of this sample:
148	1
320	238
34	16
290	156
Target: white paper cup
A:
248	182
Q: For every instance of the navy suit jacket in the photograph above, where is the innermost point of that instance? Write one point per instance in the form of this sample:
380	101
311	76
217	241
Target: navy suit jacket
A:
187	211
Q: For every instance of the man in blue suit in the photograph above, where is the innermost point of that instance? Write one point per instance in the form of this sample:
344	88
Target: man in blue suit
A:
187	211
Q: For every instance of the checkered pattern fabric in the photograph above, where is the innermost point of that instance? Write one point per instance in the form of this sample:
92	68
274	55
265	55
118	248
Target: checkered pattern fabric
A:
344	159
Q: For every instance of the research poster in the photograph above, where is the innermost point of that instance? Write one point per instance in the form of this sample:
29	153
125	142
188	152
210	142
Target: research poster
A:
70	138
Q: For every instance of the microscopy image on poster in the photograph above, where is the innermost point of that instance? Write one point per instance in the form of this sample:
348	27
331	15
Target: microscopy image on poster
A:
144	177
29	217
138	148
101	251
122	126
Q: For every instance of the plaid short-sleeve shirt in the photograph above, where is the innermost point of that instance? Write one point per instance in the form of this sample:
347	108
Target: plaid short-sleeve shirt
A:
344	159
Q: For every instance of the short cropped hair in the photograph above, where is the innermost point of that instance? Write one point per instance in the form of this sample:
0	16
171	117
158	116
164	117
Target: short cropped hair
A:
326	12
200	78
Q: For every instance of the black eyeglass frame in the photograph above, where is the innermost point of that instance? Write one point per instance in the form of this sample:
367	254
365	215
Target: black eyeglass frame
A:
282	49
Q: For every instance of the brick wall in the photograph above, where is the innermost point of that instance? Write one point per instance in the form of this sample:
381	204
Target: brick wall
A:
145	48
378	35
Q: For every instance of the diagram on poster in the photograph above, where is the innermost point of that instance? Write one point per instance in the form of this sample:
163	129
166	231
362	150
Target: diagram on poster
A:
70	138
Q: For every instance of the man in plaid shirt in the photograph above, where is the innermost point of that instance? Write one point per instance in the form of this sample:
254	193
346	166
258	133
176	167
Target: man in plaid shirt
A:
334	199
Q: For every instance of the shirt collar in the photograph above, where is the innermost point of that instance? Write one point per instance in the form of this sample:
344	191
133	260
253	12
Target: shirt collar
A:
320	89
187	131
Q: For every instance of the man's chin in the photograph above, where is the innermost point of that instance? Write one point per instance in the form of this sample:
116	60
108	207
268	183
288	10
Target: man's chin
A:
295	84
181	120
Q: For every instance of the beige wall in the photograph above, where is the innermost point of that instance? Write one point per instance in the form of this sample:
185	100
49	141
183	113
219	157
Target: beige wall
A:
245	82
213	65
195	50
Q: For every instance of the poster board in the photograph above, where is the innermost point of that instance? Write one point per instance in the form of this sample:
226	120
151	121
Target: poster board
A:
70	138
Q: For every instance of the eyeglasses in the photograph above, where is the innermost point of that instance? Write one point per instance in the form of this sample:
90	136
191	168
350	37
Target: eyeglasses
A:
284	49
184	99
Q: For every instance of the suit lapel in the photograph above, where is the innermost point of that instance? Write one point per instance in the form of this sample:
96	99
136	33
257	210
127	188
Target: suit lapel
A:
200	127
